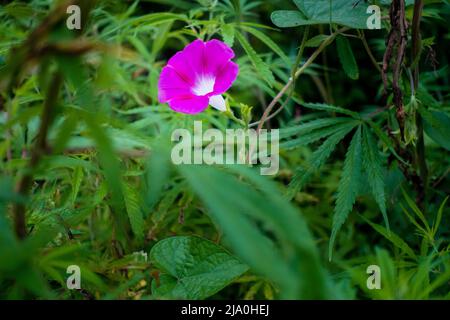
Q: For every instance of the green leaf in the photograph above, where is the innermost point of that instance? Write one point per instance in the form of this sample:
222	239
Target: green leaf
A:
348	187
346	57
228	34
437	126
134	210
76	182
330	108
392	237
373	167
320	133
383	136
307	127
318	159
235	208
260	66
156	175
155	18
269	42
198	268
111	170
437	222
316	41
312	12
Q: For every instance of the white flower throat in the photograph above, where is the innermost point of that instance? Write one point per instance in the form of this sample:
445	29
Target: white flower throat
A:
204	85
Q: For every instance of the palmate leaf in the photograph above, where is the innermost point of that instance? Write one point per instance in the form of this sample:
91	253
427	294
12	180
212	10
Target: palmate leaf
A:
348	186
261	67
318	158
373	167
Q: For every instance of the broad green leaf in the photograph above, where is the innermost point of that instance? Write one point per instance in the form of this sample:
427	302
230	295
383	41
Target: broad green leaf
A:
198	268
260	66
346	57
437	126
312	12
348	187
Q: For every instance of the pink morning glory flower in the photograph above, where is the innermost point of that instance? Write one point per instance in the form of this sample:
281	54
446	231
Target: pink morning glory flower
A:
197	77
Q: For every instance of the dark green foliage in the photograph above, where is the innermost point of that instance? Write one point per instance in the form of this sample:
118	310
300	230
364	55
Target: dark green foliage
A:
86	176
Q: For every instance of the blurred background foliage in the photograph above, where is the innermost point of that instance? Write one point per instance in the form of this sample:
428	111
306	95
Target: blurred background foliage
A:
86	177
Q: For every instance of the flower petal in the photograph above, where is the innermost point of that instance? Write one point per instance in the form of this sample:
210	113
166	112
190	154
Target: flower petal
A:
217	54
190	104
225	77
190	61
218	102
171	84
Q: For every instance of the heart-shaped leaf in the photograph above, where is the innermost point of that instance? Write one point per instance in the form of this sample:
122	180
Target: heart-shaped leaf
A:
192	268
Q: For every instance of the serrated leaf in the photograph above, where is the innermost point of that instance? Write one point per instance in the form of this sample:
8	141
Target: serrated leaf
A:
392	237
330	108
318	159
373	167
134	210
268	42
348	187
346	57
261	67
194	268
76	182
228	34
307	127
317	134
